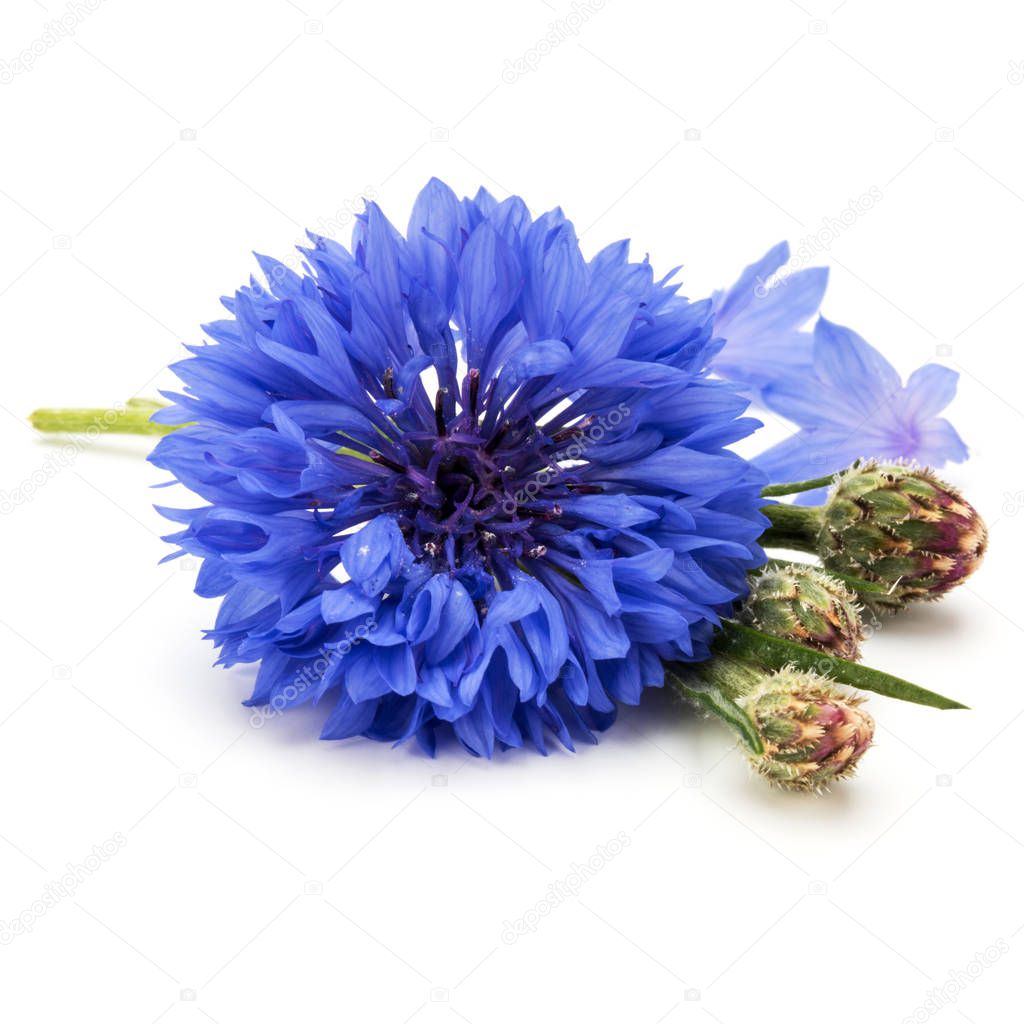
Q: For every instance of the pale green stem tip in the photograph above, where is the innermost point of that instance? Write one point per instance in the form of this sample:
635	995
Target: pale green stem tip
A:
131	417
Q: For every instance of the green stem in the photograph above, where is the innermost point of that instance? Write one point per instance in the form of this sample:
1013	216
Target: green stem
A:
777	490
713	686
787	541
799	520
795	527
134	417
733	677
771	652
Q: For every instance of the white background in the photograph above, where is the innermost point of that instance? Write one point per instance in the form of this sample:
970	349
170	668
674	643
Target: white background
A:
267	876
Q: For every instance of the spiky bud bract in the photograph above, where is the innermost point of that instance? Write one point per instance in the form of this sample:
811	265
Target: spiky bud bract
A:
807	605
902	527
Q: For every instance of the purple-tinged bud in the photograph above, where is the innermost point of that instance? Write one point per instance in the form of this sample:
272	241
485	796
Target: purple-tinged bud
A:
812	734
806	605
903	528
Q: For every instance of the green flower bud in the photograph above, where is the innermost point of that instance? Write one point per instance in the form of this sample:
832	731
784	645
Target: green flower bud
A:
812	733
901	527
806	605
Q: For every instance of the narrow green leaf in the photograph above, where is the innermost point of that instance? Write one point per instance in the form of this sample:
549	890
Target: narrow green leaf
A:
775	653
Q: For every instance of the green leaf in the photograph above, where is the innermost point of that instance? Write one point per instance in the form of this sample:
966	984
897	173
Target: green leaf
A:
774	653
711	699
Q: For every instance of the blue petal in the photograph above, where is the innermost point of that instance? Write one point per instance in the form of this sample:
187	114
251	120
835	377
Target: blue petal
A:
741	294
848	363
491	280
930	389
374	555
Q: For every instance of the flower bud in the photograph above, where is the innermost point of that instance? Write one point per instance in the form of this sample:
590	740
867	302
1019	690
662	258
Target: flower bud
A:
903	528
806	605
812	733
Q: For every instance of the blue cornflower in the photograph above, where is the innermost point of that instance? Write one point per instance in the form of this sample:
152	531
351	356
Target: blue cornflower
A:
760	318
853	404
848	400
463	476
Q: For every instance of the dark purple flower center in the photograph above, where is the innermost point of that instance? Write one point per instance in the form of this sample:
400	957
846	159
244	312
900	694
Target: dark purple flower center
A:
476	490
